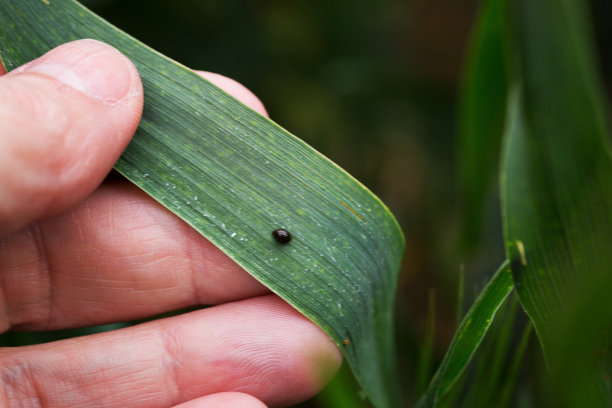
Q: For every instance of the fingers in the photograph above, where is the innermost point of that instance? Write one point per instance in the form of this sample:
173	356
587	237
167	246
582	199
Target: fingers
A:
64	120
236	89
118	256
259	346
223	400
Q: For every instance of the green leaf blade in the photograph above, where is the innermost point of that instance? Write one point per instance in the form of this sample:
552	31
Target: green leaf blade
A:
235	176
557	197
469	335
556	190
481	115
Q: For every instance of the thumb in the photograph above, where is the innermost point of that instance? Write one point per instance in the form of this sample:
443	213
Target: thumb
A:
64	120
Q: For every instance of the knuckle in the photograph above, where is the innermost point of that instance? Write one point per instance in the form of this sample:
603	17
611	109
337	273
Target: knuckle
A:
25	279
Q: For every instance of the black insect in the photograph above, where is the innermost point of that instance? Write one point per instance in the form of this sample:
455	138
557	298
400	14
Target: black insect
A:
281	235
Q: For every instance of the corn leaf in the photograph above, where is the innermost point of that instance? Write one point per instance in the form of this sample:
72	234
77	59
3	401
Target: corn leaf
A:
235	176
556	189
469	335
556	182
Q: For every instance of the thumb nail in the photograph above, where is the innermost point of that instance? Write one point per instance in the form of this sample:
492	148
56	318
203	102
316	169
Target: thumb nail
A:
94	68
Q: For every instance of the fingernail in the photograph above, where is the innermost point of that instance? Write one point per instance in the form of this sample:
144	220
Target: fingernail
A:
89	66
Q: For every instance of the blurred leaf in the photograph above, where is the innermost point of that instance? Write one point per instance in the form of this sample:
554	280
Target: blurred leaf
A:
469	335
426	359
481	116
490	369
460	296
235	176
503	399
556	179
497	363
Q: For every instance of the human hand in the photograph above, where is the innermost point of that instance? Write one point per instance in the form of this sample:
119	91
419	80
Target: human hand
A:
75	253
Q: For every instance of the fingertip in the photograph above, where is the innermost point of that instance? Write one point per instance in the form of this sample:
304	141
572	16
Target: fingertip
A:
89	66
223	400
236	89
289	350
316	355
65	118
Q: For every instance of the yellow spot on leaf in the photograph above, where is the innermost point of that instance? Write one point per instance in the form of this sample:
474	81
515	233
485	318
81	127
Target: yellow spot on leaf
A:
521	249
47	2
346	342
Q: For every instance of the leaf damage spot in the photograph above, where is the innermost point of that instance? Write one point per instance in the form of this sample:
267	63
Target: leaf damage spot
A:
47	2
346	342
353	211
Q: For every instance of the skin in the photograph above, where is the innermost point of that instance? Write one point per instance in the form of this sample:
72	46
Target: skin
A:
76	251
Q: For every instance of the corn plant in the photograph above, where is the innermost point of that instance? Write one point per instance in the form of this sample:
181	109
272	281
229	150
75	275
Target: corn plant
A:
533	98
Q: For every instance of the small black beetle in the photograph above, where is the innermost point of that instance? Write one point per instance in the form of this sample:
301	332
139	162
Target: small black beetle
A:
281	235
